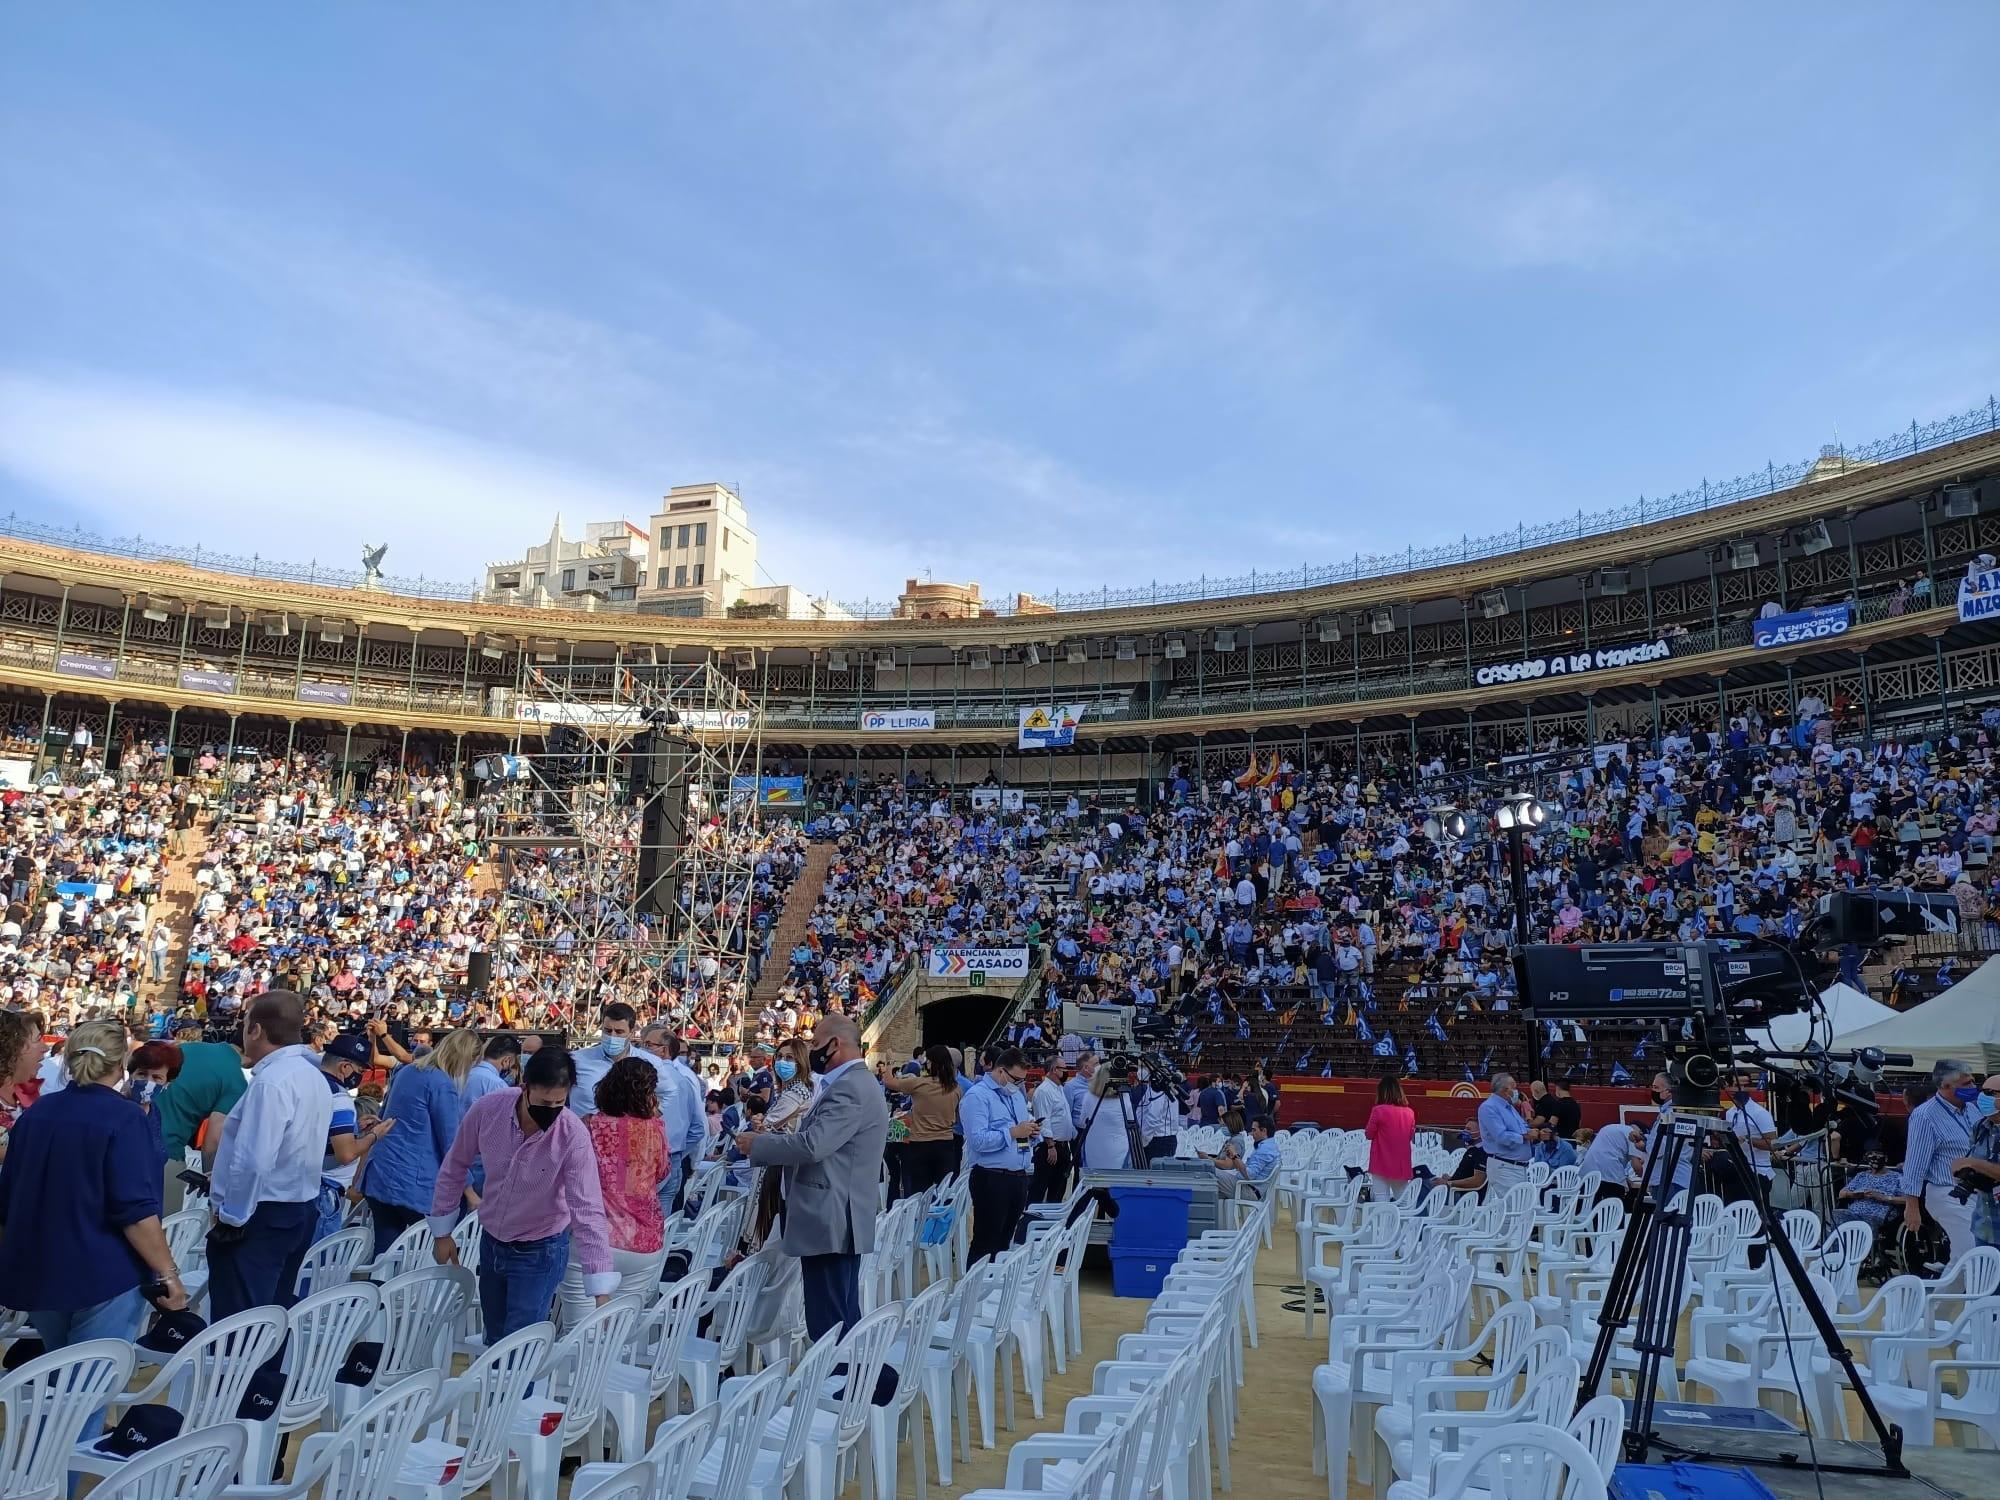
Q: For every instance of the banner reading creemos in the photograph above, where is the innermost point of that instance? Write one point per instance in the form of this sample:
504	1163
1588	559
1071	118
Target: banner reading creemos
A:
1572	663
339	694
82	664
898	720
202	680
1979	596
956	963
1800	626
1049	726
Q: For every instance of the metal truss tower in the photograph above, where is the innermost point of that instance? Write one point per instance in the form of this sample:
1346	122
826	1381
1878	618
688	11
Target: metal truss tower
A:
577	927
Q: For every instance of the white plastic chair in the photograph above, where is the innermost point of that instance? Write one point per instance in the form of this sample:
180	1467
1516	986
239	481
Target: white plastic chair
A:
886	1423
945	1369
193	1466
839	1423
728	1308
45	1404
363	1458
207	1379
187	1242
677	1447
633	1481
1523	1462
466	1445
659	1345
572	1392
1976	1406
420	1312
333	1260
322	1327
409	1251
783	1445
992	1340
744	1417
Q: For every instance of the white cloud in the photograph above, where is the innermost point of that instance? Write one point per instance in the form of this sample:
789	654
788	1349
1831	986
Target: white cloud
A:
293	480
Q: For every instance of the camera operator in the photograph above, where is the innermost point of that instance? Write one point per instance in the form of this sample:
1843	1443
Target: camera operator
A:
1104	1145
1156	1103
1941	1135
1757	1132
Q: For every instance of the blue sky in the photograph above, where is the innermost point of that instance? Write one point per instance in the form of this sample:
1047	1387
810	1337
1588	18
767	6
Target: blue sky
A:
1044	295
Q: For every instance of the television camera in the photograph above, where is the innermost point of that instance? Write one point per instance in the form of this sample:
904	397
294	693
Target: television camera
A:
1719	990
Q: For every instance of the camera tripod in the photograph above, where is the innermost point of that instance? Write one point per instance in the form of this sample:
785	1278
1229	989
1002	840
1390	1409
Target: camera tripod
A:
1651	1270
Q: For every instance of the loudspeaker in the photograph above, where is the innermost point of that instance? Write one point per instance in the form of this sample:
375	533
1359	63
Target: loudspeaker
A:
478	971
660	774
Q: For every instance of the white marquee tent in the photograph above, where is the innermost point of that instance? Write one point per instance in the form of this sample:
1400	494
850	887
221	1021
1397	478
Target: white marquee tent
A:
1847	1009
1963	1022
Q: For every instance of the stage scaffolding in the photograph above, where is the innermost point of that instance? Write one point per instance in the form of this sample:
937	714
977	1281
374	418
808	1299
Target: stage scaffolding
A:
575	929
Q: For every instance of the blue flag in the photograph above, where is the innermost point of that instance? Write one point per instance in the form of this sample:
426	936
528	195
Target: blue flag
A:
1363	1030
1387	1046
1619	1075
1410	1062
1486	1063
1435	1027
1639	1052
1468	1072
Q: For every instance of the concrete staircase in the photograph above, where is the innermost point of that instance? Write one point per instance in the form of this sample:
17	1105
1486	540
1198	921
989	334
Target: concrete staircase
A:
791	926
175	906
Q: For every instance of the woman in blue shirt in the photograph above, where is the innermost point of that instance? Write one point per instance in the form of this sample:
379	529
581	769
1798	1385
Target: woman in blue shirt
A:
80	1227
426	1102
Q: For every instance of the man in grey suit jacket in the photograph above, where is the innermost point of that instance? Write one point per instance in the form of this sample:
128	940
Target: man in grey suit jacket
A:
832	1165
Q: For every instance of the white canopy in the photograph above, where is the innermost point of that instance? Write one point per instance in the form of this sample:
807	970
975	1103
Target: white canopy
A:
1847	1009
1963	1022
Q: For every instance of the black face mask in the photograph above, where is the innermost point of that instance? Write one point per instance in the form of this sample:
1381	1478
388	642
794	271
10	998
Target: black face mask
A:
1658	1097
544	1115
821	1058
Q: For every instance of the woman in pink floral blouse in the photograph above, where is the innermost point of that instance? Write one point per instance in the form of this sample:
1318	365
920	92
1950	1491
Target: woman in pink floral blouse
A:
632	1161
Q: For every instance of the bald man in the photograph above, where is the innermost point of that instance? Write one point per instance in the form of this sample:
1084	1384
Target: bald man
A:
832	1165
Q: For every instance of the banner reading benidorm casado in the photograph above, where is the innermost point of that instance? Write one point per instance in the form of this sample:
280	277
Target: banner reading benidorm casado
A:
956	963
1049	726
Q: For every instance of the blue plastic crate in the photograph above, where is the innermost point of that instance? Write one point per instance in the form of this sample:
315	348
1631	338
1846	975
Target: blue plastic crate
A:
1140	1273
1686	1481
1151	1218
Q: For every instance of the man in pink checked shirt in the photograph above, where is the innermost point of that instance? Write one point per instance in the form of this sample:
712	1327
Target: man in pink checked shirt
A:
541	1188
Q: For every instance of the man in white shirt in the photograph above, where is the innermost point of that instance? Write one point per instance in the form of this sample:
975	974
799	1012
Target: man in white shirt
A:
265	1185
1055	1147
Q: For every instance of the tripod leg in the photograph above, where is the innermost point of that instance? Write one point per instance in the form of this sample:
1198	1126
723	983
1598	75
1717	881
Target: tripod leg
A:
1888	1434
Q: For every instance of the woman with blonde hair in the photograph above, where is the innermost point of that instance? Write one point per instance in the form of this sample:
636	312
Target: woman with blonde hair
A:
426	1101
81	1246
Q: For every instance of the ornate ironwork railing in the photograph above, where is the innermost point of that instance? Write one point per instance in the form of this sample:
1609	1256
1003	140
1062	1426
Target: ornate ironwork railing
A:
1918	437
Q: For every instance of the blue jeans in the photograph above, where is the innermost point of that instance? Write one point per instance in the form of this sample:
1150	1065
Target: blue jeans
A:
518	1282
118	1317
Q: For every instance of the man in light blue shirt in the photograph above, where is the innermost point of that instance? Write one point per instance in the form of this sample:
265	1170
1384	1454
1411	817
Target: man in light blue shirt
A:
617	1023
1940	1134
1503	1134
499	1064
683	1108
999	1140
1240	1177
